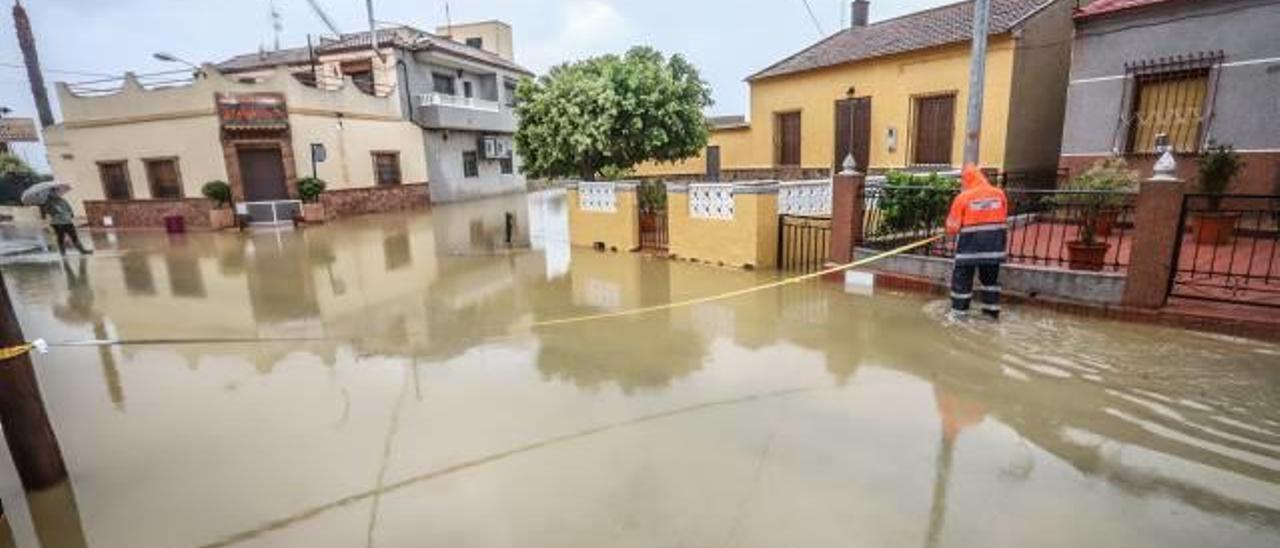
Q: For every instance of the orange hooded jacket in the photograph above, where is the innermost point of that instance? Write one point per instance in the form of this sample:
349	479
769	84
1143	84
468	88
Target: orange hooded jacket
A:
979	203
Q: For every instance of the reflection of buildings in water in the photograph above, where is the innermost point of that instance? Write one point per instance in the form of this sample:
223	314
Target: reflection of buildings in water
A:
463	228
549	230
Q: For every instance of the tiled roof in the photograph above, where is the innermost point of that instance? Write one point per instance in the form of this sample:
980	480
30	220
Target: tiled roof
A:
939	26
400	37
1099	7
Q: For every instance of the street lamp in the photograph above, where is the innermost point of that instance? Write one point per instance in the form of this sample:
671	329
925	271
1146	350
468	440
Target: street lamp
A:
171	58
850	163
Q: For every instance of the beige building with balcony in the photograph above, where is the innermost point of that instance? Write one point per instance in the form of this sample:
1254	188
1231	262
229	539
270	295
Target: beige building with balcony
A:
419	115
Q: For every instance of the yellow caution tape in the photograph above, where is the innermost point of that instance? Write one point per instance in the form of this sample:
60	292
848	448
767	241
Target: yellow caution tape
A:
739	292
14	351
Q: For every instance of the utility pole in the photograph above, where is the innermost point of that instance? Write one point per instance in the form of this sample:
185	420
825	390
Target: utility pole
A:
27	43
35	450
977	79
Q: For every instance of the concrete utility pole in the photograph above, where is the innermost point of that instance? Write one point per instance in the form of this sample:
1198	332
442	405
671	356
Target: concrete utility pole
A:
977	79
27	43
35	450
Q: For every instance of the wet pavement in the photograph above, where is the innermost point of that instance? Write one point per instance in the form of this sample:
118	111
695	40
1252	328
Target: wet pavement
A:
410	405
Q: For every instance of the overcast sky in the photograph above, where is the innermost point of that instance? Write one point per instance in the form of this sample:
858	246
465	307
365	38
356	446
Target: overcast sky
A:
726	39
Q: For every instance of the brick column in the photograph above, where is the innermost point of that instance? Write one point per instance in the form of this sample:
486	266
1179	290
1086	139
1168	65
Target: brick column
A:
846	215
1155	238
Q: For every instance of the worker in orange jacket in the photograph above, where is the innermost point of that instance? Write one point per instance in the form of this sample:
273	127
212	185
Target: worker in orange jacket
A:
977	220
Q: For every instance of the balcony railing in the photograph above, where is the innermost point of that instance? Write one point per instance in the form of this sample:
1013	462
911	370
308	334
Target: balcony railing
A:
446	100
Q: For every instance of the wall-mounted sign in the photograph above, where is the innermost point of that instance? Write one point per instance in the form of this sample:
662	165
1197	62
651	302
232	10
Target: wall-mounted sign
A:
252	111
18	130
318	152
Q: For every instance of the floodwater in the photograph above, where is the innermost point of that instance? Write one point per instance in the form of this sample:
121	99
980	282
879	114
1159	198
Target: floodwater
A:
411	405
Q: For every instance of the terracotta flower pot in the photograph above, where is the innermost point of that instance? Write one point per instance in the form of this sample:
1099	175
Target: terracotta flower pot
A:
220	218
313	212
1085	256
1105	222
1214	228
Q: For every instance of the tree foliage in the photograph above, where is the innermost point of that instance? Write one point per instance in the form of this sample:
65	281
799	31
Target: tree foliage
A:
15	177
611	113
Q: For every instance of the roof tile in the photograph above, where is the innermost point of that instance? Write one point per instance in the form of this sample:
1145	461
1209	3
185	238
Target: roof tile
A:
1099	7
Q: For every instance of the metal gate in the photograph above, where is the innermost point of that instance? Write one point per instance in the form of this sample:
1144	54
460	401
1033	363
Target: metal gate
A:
804	242
653	216
1228	250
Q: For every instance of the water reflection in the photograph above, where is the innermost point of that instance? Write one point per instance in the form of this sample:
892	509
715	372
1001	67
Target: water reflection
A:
412	405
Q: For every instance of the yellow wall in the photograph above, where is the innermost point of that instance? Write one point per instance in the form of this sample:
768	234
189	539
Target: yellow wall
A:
619	230
749	239
891	82
350	163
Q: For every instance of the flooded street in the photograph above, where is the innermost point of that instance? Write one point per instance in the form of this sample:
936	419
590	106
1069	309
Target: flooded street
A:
410	404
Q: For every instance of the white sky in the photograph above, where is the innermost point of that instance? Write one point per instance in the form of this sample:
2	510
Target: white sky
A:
726	39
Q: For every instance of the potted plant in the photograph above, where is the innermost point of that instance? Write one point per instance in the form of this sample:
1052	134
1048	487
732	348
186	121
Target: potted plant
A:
1096	198
221	215
309	190
1217	168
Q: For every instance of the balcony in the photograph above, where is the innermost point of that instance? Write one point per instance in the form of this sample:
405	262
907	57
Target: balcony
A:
443	111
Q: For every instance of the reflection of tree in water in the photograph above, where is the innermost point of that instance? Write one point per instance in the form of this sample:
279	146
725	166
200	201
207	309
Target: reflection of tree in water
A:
621	351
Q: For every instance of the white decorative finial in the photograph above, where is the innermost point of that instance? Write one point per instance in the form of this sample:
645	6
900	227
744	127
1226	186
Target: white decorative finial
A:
1166	167
850	165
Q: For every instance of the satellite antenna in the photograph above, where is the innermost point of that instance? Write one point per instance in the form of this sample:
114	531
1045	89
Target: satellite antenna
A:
276	24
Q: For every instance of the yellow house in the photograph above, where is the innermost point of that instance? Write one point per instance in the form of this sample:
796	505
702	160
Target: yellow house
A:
895	93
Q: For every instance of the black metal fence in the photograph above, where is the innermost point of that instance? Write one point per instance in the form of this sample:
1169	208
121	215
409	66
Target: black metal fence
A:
1229	249
1042	224
804	243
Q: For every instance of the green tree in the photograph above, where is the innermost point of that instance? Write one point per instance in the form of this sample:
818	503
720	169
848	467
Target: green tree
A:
15	177
610	113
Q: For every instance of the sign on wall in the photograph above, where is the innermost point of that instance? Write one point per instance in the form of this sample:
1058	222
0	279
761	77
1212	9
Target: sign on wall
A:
18	130
252	111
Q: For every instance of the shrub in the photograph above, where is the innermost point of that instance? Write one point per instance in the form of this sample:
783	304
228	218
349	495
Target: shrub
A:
653	196
218	191
915	202
1217	168
309	189
15	177
1103	187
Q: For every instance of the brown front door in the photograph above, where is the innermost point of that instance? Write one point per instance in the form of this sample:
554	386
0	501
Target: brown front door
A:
853	129
262	170
787	136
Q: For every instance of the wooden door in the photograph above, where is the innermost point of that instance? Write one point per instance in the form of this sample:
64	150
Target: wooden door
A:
787	131
853	129
262	171
713	163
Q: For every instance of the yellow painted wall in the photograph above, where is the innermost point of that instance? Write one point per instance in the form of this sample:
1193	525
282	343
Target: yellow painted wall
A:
750	238
891	82
618	230
350	163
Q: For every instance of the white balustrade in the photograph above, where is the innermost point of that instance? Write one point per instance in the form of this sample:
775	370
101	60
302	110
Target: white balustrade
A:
711	201
811	198
458	101
600	197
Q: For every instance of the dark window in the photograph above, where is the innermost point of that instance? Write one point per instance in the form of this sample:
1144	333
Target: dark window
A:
787	137
470	164
115	180
443	83
475	42
386	168
1171	104
466	89
361	74
163	178
935	129
507	166
509	93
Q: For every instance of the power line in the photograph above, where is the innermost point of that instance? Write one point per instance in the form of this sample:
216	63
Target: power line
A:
56	71
814	18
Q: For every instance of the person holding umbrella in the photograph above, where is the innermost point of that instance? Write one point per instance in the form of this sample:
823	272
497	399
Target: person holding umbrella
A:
48	196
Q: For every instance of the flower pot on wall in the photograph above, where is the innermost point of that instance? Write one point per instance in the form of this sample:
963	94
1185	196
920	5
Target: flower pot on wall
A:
220	218
1087	256
1214	228
313	212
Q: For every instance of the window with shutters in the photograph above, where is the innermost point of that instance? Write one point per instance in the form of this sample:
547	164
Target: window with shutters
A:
163	178
1171	103
786	129
443	83
470	164
934	135
115	180
386	167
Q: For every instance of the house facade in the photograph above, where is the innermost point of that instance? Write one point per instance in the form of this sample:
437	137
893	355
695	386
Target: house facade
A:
378	124
1197	72
894	93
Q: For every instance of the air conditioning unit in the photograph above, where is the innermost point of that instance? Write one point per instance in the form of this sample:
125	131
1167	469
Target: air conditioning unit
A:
495	148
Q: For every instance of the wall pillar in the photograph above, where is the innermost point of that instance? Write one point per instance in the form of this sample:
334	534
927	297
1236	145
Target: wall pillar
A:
1156	222
847	206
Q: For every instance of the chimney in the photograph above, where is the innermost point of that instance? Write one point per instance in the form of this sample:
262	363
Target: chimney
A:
859	11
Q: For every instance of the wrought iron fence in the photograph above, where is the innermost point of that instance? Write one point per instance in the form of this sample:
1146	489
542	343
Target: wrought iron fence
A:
1229	249
1042	224
804	242
653	229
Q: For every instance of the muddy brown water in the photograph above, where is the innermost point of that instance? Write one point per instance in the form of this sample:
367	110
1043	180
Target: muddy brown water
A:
411	405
